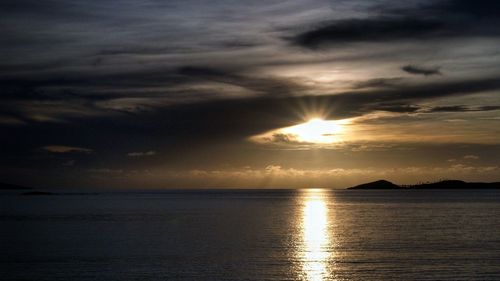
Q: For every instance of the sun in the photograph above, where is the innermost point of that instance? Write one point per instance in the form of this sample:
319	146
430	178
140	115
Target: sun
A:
314	131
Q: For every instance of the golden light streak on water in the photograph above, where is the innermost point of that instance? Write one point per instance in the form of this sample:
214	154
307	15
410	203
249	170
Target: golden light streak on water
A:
315	237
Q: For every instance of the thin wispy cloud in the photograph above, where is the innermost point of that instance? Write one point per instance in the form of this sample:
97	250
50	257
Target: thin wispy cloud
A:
420	70
66	149
141	154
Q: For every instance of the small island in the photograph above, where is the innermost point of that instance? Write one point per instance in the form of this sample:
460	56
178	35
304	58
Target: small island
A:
38	193
8	186
29	191
444	184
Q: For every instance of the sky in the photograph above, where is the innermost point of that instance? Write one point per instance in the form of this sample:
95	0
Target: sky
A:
261	94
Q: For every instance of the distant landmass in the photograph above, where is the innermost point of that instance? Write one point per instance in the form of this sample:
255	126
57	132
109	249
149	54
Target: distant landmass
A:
445	184
8	186
38	193
380	184
27	190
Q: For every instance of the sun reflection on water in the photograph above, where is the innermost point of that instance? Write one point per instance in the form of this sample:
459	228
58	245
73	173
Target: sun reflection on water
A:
315	239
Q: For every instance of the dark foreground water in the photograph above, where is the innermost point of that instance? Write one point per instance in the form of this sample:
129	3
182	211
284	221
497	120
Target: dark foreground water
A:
252	235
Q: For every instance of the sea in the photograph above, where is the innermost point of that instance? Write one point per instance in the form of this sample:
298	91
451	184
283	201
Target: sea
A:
304	234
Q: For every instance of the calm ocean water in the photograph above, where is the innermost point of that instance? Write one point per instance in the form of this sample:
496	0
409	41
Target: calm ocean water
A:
252	235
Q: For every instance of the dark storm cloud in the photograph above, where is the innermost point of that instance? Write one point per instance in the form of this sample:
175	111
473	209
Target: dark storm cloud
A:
398	108
433	20
367	30
134	78
419	70
48	9
478	8
462	108
378	83
453	108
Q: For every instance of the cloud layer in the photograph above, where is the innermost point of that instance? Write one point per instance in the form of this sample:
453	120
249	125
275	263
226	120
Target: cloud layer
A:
125	80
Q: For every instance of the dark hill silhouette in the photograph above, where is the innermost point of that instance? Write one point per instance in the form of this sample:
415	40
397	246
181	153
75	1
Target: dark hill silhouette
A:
8	186
380	184
446	184
38	193
456	184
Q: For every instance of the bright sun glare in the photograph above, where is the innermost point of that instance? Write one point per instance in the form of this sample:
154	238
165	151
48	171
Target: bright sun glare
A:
314	131
317	131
